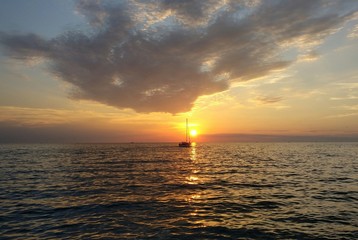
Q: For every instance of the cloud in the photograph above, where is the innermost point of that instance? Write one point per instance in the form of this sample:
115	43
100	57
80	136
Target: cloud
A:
12	132
160	56
354	33
22	125
268	99
311	56
344	115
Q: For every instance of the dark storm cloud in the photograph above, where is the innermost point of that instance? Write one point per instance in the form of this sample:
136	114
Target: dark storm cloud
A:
160	56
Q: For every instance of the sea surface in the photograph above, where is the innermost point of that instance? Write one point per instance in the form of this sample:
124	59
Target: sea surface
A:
161	191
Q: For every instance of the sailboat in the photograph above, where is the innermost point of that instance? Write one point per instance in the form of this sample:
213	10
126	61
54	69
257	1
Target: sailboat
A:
186	143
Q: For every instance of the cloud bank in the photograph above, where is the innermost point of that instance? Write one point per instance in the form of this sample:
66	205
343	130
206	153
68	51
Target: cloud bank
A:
160	56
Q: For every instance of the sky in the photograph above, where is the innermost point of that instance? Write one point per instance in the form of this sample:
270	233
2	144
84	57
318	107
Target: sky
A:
134	70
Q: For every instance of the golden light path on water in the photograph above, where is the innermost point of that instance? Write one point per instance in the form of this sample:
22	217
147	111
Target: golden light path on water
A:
138	191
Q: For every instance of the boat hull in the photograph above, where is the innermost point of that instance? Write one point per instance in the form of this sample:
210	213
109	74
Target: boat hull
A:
185	144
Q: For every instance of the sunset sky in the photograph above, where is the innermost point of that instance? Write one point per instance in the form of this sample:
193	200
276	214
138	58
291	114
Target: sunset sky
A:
134	70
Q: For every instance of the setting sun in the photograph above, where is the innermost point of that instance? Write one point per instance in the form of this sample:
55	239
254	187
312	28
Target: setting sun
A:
193	132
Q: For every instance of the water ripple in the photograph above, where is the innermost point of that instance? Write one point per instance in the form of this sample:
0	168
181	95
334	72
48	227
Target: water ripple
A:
160	191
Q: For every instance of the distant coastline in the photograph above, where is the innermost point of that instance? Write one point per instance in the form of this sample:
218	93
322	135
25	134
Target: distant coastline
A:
278	138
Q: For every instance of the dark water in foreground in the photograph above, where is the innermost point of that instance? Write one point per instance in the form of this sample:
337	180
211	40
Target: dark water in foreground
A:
160	191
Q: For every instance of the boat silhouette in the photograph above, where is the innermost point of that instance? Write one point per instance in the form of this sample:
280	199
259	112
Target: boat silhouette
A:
187	142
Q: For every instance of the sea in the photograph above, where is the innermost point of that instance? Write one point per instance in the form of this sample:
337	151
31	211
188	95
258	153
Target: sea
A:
161	191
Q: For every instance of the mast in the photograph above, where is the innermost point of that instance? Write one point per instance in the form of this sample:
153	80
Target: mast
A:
186	132
187	136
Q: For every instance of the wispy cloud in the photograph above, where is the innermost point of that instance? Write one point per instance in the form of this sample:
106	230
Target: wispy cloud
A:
343	115
88	113
21	124
152	56
274	102
347	85
309	57
354	33
349	97
268	99
44	116
353	107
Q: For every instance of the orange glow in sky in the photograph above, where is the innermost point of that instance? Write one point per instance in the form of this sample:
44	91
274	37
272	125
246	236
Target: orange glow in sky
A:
232	70
193	132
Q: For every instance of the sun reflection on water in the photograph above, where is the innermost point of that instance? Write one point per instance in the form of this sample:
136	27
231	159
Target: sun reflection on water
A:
193	197
209	189
193	152
192	180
